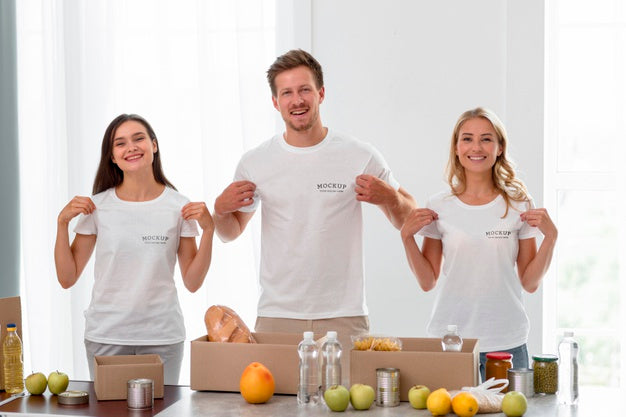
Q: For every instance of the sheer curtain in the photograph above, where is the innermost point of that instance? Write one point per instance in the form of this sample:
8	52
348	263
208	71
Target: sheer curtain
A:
196	71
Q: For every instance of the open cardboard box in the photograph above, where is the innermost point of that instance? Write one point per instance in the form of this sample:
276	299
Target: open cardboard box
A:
114	372
10	312
420	362
218	366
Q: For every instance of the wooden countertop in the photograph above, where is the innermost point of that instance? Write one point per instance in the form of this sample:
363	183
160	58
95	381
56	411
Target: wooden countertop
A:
47	403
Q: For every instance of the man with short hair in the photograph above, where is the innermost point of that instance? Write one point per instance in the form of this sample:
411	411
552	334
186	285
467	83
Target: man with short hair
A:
310	182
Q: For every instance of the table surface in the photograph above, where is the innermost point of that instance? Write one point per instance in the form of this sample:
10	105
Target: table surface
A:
180	401
47	404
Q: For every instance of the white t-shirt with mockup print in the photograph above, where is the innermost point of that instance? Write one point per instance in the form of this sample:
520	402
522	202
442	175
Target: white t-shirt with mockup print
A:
311	239
134	299
479	289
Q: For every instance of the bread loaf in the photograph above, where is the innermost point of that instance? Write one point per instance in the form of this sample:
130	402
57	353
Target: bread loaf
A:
224	325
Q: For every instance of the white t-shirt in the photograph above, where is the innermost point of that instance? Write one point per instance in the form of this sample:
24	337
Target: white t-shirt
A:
311	237
479	288
134	299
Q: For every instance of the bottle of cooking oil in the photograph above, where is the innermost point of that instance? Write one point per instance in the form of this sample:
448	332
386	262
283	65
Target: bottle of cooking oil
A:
13	365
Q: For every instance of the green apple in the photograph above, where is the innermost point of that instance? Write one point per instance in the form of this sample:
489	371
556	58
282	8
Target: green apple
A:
361	396
514	404
337	397
58	382
418	395
36	383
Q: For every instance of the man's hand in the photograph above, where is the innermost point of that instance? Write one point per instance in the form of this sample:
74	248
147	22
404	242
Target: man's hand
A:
373	190
237	195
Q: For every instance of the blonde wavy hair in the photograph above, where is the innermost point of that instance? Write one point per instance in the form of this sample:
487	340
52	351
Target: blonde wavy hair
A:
502	173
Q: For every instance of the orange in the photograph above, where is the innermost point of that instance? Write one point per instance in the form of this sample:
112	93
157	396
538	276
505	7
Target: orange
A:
464	404
256	383
439	402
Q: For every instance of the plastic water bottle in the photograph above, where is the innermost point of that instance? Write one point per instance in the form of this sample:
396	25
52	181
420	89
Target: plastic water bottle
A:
13	365
308	388
331	361
451	341
568	369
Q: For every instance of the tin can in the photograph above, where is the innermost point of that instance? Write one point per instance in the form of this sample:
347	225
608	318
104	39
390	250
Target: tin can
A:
387	387
73	398
140	394
521	379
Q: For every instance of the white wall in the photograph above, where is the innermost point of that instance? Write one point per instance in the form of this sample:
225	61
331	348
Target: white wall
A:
398	74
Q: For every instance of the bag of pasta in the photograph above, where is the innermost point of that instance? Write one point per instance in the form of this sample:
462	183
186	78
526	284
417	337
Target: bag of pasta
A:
487	395
378	343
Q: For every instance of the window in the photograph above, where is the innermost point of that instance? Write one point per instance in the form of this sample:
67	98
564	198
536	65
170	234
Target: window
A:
585	177
196	71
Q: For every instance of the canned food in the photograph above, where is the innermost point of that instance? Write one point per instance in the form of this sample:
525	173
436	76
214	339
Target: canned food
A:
140	394
73	398
546	379
387	387
521	379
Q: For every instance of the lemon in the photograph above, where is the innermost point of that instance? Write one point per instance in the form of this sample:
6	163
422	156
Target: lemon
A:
464	404
439	402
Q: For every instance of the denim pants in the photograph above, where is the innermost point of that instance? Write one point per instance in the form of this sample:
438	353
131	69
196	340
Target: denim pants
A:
520	359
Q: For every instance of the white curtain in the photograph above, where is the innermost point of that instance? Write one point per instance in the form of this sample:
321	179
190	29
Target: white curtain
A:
196	71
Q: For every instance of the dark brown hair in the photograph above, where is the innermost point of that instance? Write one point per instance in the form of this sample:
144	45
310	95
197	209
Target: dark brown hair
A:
109	174
290	60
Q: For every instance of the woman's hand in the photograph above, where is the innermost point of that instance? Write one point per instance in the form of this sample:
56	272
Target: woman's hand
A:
540	219
76	206
416	220
198	211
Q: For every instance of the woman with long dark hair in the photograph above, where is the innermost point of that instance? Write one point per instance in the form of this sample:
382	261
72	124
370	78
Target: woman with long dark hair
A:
139	225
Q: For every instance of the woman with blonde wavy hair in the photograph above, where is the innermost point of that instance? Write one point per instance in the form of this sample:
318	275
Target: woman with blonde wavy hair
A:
484	229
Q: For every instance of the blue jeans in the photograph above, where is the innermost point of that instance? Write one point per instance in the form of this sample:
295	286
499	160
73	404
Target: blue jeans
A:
520	359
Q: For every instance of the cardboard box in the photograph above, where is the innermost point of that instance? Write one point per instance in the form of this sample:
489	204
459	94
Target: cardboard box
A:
421	362
114	372
10	312
218	366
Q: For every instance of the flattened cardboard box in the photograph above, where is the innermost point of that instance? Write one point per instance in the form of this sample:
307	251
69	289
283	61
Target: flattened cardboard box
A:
421	362
114	372
218	366
10	312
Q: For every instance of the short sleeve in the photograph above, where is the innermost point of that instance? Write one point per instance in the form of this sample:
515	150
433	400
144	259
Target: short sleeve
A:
241	174
430	230
377	166
527	231
189	228
86	225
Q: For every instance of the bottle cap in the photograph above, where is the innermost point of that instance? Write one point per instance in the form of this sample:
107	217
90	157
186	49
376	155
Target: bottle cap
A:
452	327
11	326
545	358
331	334
503	356
308	335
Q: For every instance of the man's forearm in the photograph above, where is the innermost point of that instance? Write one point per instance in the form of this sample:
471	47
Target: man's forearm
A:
227	226
399	208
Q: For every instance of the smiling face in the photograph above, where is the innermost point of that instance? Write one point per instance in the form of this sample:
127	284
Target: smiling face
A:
477	145
133	149
298	99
